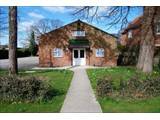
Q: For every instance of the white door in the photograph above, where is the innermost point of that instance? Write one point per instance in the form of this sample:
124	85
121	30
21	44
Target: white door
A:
79	56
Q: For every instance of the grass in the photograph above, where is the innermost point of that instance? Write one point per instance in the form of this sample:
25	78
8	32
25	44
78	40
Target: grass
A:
119	104
60	81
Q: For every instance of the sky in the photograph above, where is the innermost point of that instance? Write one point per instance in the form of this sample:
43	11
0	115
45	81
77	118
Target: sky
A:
28	16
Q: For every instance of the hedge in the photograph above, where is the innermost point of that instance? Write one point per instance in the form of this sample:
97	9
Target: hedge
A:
21	52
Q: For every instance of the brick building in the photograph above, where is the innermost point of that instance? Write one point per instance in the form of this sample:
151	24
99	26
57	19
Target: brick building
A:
77	43
131	35
131	38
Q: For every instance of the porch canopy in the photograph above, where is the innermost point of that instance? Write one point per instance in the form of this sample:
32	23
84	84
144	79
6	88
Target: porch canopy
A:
78	43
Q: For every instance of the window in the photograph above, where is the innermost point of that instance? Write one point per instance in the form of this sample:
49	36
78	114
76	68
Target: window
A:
130	34
78	33
100	52
158	28
81	53
75	53
57	52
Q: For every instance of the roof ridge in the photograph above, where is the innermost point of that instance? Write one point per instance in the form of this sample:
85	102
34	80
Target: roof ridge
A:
79	20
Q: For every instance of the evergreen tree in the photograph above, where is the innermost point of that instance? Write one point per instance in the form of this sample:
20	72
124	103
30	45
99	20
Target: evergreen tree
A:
32	44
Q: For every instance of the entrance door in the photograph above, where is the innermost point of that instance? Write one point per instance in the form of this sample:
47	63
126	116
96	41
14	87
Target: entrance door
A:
79	57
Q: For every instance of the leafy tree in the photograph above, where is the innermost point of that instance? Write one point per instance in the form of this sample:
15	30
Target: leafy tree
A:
32	44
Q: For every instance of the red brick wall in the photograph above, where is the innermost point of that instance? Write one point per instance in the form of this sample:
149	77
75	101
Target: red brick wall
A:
60	37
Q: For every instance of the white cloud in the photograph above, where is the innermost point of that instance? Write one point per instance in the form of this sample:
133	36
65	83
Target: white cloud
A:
99	11
58	9
103	9
36	15
25	25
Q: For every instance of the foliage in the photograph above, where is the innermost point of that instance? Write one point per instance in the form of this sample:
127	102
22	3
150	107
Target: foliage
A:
128	55
32	44
135	87
157	56
59	80
13	88
21	52
104	87
132	90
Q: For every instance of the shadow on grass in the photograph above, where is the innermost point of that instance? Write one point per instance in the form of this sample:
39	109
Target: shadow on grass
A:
53	93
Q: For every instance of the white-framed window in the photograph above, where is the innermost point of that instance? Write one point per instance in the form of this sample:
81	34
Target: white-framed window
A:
130	34
78	33
100	52
57	52
158	28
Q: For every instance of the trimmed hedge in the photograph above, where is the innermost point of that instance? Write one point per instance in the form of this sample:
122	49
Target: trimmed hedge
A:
21	52
14	88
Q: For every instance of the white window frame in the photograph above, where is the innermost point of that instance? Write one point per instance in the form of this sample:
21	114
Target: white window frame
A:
130	35
79	33
158	28
100	52
57	52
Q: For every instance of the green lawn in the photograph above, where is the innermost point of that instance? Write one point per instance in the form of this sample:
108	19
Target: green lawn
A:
59	79
119	104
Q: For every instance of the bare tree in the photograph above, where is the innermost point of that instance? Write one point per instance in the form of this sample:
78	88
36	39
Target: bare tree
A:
46	25
119	15
13	66
110	16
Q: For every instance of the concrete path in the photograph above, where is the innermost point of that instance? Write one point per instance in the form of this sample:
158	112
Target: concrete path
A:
80	97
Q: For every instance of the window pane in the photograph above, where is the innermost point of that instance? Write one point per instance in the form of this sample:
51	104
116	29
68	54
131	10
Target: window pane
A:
130	34
100	52
57	52
78	33
81	53
75	53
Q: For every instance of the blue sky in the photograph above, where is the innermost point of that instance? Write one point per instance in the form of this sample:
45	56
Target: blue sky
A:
31	15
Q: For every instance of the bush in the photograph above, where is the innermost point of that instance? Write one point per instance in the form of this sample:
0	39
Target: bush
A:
135	87
21	52
104	87
3	54
138	88
152	86
128	55
13	88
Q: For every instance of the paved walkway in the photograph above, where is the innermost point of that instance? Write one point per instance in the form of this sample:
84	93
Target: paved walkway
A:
80	97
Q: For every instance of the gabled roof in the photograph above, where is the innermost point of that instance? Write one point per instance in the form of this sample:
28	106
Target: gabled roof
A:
136	23
80	22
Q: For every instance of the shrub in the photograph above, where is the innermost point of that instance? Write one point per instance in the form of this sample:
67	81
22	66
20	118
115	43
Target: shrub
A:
3	54
128	55
152	86
21	52
135	87
104	87
13	88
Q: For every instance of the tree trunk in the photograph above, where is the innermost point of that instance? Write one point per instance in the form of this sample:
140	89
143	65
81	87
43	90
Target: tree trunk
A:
145	60
13	67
